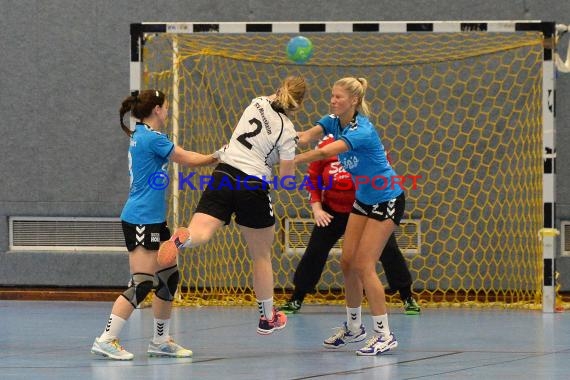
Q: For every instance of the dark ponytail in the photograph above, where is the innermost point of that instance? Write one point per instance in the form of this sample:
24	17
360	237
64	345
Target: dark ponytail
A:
140	105
127	106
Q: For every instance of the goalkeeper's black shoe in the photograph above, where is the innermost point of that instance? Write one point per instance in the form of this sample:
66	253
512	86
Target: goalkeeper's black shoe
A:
291	307
411	307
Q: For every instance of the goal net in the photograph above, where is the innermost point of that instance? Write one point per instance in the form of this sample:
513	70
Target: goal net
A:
462	110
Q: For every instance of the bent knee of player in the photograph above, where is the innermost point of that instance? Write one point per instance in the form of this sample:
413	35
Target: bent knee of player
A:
347	264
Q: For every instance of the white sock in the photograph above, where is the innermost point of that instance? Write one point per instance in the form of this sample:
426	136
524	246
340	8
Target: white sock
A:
113	328
266	308
188	243
161	331
354	318
381	324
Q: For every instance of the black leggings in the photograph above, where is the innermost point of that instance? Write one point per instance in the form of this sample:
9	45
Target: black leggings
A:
322	240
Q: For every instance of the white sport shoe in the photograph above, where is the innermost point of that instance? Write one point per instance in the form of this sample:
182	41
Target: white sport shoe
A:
344	336
377	345
111	350
169	348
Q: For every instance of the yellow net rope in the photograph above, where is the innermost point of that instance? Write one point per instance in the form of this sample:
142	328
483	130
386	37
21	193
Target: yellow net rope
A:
461	110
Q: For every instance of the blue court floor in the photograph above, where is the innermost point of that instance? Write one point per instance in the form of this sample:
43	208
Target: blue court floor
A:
52	340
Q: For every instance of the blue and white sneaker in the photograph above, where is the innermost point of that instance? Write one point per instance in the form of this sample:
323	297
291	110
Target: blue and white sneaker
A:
169	349
344	336
111	349
378	344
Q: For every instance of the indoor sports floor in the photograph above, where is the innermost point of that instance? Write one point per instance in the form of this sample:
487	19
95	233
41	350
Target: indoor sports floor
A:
52	340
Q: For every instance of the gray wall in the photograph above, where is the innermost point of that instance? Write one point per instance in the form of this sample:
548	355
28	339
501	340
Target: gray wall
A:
65	68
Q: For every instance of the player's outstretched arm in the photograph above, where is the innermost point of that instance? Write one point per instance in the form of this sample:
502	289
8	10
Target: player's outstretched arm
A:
286	168
310	135
287	172
329	150
191	159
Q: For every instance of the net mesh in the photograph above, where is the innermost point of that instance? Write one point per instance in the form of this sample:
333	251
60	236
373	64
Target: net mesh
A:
462	111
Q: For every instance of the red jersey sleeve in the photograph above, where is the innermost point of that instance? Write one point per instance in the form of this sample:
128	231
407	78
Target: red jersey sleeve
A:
315	171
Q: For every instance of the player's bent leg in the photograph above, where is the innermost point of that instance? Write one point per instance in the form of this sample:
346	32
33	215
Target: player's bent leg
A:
140	285
200	230
259	241
168	279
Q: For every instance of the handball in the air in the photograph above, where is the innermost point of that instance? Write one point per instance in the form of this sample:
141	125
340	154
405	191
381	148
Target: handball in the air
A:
299	49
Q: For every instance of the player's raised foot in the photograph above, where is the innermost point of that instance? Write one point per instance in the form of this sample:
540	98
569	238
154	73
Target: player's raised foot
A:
268	326
111	349
343	336
169	249
168	349
291	307
378	344
411	307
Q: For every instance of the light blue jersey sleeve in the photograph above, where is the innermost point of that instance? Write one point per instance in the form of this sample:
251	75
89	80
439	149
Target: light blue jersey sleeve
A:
161	145
356	138
327	123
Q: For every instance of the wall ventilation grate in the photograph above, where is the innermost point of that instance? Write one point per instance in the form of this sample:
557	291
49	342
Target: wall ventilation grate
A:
65	233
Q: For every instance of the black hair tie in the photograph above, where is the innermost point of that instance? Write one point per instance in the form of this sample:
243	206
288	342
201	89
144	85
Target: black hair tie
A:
135	94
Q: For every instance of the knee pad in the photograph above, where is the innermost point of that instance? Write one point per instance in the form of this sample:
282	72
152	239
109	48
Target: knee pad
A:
167	283
140	285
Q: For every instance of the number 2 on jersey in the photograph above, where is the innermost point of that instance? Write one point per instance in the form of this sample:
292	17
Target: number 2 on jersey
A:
244	136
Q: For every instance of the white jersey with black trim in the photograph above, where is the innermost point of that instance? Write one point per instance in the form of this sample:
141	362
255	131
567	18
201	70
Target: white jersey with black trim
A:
262	137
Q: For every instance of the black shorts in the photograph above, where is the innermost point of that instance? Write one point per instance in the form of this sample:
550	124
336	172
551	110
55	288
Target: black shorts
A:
148	236
392	209
227	194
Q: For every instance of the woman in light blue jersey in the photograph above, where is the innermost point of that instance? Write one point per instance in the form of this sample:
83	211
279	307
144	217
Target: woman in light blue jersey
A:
378	208
144	226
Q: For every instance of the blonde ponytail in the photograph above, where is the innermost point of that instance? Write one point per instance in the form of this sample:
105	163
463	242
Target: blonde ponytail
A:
291	93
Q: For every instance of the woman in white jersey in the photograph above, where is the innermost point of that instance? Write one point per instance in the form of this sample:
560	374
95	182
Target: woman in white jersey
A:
263	137
144	226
